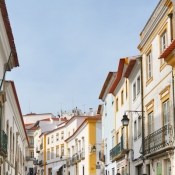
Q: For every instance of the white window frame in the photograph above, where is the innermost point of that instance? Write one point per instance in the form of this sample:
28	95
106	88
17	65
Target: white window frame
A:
150	122
134	91
149	65
166	112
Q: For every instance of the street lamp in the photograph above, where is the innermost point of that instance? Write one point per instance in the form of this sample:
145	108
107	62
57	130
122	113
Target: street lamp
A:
125	122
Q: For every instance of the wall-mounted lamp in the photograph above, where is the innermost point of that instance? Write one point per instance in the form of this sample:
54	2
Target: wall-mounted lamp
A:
94	149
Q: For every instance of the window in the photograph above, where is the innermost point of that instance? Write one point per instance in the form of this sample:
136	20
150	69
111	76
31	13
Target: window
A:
112	141
52	153
139	126
166	112
117	104
52	139
57	151
134	91
150	122
118	138
135	129
32	154
62	135
149	65
48	140
163	42
113	171
122	98
69	134
57	136
31	141
62	150
138	84
48	154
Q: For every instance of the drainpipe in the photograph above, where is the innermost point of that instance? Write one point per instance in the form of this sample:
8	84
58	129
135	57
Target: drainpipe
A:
142	109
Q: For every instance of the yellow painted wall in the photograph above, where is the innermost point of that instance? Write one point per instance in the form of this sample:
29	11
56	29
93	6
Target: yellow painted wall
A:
92	140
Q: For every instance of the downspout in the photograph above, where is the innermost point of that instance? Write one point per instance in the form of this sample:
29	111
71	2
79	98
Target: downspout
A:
142	109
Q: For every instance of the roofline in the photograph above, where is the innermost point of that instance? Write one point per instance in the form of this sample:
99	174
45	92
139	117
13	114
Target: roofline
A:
108	78
18	105
119	74
129	68
9	31
89	118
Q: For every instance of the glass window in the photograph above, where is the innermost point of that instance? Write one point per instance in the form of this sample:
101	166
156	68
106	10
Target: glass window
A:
149	66
31	154
139	126
48	154
134	91
117	104
166	112
52	153
135	129
150	122
62	135
48	140
52	139
57	151
62	150
138	84
57	137
163	42
122	98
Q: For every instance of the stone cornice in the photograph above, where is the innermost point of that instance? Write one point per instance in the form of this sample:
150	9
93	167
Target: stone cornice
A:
153	21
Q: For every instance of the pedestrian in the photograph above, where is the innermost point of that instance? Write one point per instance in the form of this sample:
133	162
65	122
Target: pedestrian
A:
118	174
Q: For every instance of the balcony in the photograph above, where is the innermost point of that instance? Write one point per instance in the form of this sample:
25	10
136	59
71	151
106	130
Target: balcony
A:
158	141
40	163
41	146
35	161
120	149
82	155
101	156
69	162
3	144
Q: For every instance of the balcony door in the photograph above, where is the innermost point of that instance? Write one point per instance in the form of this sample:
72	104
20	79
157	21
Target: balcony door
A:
151	128
166	121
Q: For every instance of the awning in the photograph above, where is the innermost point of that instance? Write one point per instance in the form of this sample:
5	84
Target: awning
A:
58	166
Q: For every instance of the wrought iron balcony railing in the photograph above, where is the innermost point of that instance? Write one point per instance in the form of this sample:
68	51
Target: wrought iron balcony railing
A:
161	138
35	162
40	162
120	148
3	143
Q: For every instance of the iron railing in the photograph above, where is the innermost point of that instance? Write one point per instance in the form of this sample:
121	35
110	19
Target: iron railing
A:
118	148
40	162
158	139
3	143
35	162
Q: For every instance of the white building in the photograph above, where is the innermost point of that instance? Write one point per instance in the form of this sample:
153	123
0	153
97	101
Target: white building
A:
108	131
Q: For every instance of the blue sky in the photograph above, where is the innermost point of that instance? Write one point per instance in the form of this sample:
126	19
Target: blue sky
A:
67	47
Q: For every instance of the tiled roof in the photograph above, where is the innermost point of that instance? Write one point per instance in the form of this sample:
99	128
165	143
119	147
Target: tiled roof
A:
110	74
130	67
168	50
9	30
119	74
